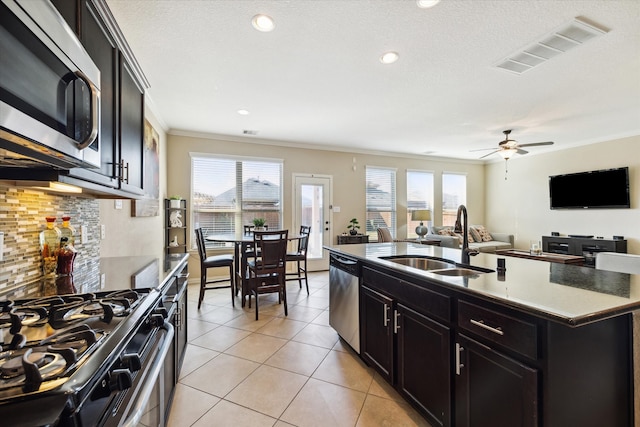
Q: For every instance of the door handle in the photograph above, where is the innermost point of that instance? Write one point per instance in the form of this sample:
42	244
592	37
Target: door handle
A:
385	320
396	325
459	366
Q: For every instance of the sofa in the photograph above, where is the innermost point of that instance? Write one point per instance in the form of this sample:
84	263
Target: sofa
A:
499	240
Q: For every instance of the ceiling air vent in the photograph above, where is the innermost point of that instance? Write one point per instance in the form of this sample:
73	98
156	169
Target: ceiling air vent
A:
571	35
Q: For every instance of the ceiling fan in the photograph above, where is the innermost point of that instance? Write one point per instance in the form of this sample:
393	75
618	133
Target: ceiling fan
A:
509	147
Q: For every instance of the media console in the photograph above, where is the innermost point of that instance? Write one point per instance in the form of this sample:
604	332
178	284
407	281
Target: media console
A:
581	246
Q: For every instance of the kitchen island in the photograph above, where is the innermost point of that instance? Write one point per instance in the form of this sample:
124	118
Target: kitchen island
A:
536	344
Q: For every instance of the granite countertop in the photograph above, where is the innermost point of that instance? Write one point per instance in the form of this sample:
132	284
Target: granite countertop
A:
115	273
568	294
138	272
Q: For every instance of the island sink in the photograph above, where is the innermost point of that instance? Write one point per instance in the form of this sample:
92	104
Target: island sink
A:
457	272
437	265
422	263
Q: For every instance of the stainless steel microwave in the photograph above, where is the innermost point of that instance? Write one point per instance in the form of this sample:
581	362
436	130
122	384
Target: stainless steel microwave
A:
49	90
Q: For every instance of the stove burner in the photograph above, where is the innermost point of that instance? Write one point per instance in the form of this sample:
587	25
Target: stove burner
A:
48	364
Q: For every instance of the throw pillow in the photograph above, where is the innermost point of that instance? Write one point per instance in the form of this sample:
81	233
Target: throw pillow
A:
460	237
445	231
475	234
484	234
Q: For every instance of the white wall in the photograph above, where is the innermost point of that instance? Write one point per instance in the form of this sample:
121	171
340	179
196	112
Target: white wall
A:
349	185
520	204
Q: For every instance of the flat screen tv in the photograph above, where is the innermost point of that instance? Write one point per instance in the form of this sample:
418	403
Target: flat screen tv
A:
604	189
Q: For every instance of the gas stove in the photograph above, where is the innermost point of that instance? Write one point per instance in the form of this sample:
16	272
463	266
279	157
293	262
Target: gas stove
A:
74	355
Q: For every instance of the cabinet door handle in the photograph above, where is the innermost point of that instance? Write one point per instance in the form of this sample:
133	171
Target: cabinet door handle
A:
459	349
483	325
126	167
396	325
385	320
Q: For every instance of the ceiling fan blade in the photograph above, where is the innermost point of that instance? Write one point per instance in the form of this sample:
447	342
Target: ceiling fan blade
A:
482	149
519	151
536	144
487	155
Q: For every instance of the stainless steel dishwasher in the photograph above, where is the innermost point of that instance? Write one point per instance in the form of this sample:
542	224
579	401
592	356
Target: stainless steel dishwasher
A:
344	301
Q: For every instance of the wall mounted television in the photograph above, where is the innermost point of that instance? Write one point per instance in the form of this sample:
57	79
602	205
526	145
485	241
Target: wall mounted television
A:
600	189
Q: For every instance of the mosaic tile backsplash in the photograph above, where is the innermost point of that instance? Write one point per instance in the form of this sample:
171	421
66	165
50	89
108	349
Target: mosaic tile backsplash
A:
22	217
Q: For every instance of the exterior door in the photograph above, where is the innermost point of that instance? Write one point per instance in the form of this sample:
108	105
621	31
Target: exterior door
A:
311	201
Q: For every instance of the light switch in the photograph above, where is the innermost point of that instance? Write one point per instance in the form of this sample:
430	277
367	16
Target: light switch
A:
103	231
336	208
118	204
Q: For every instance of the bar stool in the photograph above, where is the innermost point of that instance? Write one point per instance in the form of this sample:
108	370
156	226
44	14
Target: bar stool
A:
300	258
214	261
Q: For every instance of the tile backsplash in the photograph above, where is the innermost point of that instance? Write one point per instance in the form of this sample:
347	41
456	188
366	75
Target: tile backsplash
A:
22	217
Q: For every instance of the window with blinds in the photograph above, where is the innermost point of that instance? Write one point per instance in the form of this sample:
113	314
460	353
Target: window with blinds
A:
454	194
228	193
381	200
419	196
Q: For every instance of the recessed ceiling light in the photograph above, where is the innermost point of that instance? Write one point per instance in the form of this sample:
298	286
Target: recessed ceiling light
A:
243	112
389	57
425	4
263	23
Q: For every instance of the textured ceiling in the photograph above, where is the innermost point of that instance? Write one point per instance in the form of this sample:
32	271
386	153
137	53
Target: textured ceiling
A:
316	79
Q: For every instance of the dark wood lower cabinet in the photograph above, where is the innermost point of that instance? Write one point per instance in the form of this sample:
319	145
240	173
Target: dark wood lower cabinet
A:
464	361
376	332
424	364
493	390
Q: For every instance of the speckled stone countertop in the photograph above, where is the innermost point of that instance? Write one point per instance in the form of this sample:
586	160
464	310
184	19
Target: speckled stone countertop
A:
567	294
116	273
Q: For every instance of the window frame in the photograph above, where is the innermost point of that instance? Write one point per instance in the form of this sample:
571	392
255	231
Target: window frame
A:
428	204
449	212
239	211
370	226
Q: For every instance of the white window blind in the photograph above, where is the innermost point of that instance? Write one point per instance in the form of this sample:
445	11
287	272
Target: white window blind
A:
419	196
228	193
454	194
381	200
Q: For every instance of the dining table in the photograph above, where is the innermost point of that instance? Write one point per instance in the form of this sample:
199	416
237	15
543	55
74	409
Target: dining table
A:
242	243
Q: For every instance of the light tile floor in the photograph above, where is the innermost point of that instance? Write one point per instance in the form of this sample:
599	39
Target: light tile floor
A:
278	371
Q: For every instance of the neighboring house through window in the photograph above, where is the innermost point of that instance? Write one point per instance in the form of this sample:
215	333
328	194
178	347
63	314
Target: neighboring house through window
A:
229	192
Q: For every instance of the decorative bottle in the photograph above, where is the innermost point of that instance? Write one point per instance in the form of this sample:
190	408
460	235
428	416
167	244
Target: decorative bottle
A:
66	256
49	246
68	231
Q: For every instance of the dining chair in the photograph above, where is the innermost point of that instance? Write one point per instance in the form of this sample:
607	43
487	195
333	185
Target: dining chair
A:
267	272
384	235
300	258
214	261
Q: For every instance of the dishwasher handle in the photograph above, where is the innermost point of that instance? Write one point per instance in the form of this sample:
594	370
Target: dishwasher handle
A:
347	265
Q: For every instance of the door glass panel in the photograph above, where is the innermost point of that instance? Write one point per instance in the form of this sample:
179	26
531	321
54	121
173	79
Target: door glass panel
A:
312	215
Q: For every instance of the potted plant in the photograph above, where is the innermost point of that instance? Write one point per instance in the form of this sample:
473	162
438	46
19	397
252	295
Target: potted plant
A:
259	223
353	226
174	202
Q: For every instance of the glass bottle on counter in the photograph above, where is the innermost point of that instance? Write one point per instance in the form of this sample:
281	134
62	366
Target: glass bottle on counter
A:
68	231
66	256
49	246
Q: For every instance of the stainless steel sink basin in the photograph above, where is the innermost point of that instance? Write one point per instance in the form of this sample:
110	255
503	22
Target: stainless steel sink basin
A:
420	263
456	272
